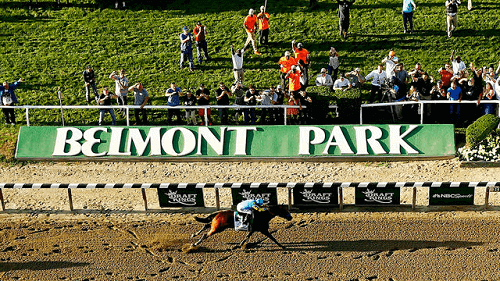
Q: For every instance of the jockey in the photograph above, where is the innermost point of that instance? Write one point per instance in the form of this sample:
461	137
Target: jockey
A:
248	206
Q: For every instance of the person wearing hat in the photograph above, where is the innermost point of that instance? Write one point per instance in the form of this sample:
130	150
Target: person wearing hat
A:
302	57
203	98
323	79
390	63
342	84
344	16
186	39
200	31
8	98
250	26
294	85
173	94
89	79
263	18
285	64
247	207
356	79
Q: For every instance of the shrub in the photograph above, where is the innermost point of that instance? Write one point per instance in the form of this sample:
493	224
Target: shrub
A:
480	129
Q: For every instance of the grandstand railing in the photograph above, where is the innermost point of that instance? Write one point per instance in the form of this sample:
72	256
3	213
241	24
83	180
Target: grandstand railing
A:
127	108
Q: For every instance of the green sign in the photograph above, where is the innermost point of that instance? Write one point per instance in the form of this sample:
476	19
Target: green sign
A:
337	141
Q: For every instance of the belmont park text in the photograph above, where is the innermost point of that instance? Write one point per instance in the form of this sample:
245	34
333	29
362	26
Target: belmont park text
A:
231	141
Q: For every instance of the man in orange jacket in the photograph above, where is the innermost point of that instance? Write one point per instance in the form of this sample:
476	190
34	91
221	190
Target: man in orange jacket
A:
250	25
263	26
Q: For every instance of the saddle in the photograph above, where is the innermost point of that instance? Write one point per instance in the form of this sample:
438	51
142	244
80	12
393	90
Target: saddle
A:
242	224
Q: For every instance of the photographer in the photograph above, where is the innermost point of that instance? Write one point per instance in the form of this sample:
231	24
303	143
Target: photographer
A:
173	93
250	99
89	79
186	38
105	99
200	31
190	100
121	86
222	95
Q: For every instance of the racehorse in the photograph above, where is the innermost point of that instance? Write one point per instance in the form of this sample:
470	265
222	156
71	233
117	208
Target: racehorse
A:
220	221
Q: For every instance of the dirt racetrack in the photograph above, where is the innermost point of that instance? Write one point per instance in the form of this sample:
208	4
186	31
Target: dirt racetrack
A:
111	238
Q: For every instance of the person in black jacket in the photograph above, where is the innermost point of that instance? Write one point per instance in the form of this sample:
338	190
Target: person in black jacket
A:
344	15
89	78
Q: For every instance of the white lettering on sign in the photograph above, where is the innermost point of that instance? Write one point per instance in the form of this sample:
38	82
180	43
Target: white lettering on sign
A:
69	141
365	137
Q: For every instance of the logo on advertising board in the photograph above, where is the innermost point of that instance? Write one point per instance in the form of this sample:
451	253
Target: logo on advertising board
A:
173	196
310	196
446	195
268	195
182	199
377	196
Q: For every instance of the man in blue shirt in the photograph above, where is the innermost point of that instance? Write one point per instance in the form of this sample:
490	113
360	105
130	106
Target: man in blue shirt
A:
173	93
454	93
408	14
9	98
186	38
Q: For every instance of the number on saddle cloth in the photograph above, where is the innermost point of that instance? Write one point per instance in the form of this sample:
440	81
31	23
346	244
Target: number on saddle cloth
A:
239	224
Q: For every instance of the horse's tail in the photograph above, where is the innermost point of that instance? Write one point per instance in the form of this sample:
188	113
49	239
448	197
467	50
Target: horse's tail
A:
207	219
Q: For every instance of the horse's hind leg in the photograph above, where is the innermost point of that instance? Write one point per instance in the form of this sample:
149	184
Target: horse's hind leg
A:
203	237
207	225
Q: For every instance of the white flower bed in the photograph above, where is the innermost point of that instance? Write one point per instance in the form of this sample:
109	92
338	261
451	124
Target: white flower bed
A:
486	150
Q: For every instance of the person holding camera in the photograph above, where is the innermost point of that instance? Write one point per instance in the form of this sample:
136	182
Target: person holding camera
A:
239	99
378	75
451	15
203	98
222	95
250	99
186	39
263	26
190	100
121	87
105	99
173	93
89	79
141	97
200	31
8	98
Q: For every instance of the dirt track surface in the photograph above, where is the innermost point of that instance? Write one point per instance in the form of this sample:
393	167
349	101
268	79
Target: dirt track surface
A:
110	237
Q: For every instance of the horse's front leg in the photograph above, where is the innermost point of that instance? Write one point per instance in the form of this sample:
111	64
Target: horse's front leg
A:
244	240
203	228
266	233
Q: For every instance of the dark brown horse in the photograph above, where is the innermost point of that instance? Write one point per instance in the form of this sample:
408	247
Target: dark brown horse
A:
220	221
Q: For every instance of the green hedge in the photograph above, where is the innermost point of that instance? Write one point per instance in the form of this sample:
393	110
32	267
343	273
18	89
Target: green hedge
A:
481	128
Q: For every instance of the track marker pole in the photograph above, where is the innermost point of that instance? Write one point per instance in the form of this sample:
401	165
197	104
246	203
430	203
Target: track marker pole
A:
143	190
70	197
1	199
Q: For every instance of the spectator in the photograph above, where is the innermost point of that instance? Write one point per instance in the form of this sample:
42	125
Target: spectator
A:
344	17
173	93
286	62
117	4
356	79
477	75
203	98
451	15
324	79
265	99
190	100
291	113
438	92
333	63
446	75
239	99
250	99
277	99
305	112
341	84
454	93
490	75
488	94
89	78
497	89
105	99
8	99
263	18
457	63
294	82
121	88
250	26
141	97
237	58
302	57
417	71
408	14
390	63
378	77
402	75
200	32
186	39
222	95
